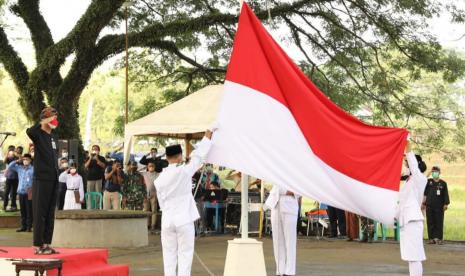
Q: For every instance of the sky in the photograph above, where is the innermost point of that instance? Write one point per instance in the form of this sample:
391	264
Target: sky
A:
62	15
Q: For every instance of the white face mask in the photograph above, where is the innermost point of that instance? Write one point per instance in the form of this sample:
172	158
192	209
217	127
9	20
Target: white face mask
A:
72	171
26	162
64	165
64	155
94	152
52	126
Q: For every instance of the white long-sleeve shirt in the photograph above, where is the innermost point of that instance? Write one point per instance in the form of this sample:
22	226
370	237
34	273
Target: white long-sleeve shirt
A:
411	194
174	188
73	182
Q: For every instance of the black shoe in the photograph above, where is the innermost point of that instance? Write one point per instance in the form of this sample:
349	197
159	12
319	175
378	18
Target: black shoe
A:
21	230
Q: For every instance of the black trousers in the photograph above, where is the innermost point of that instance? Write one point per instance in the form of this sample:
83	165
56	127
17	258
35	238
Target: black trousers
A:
26	211
435	222
44	197
11	187
61	195
337	219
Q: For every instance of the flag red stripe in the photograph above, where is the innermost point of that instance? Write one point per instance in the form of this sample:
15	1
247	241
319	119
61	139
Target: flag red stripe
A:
365	153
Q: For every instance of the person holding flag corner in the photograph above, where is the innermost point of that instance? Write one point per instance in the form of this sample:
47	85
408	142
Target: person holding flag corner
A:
408	214
174	192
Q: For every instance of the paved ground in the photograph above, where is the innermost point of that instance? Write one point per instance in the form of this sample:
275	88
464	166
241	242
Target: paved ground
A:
315	257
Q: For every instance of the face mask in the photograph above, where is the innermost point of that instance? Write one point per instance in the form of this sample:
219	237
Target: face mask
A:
64	155
94	152
64	165
53	124
32	154
435	175
26	162
72	171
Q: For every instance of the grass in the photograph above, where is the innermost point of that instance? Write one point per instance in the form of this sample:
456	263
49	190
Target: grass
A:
8	214
454	221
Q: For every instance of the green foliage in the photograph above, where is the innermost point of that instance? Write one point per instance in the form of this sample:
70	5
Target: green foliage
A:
363	54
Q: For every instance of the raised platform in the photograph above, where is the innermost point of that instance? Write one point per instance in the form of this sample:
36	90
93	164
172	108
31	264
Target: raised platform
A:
100	228
76	262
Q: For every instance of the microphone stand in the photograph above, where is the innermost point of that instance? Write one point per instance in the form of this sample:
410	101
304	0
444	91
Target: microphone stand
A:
4	139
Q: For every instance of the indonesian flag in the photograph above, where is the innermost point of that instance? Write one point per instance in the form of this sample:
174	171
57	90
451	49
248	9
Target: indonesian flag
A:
275	124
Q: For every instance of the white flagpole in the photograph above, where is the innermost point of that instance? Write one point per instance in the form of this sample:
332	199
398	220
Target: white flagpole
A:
244	206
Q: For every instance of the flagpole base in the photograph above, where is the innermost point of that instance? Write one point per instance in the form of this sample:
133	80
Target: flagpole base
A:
245	257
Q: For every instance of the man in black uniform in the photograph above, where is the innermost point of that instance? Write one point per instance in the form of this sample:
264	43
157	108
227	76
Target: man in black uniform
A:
435	201
45	183
337	220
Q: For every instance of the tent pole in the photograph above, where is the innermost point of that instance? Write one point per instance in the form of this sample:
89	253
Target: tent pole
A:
244	206
187	142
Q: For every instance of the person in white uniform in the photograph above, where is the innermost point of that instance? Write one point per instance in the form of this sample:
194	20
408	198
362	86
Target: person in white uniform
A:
74	184
409	215
284	207
179	211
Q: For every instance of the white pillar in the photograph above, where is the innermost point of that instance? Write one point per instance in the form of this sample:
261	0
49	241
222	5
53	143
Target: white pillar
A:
245	256
244	206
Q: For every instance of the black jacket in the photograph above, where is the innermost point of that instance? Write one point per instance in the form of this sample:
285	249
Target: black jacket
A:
45	154
436	194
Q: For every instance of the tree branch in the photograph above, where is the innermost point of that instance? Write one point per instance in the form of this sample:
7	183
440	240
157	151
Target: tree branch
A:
41	36
13	63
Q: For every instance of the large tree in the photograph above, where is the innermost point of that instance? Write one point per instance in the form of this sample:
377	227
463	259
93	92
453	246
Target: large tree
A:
360	52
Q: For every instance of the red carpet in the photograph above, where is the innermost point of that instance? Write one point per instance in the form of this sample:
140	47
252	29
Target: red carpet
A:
76	262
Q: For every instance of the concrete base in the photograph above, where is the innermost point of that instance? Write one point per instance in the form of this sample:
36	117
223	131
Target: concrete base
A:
245	257
91	228
13	221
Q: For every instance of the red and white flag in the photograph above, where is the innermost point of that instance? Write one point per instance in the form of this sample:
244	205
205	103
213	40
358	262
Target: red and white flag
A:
275	124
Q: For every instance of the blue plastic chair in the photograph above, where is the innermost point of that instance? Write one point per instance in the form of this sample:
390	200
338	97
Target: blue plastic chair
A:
94	200
384	230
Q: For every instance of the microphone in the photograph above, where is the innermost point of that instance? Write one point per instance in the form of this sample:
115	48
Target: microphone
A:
8	133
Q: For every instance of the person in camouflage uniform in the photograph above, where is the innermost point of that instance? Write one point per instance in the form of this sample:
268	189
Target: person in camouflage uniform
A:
134	190
368	229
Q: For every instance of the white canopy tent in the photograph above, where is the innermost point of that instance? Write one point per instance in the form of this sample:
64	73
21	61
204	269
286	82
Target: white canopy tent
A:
185	119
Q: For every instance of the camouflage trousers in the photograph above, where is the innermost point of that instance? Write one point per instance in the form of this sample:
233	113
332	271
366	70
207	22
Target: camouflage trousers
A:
368	229
135	205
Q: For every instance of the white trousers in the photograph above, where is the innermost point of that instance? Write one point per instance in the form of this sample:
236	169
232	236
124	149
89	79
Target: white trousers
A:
415	268
284	227
178	249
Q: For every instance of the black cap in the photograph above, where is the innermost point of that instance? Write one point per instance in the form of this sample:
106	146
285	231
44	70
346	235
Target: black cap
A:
436	169
48	112
173	150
